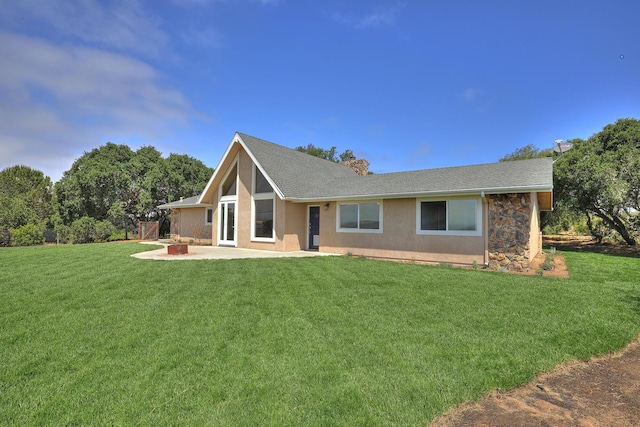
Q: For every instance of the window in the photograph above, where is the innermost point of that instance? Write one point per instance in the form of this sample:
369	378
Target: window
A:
263	208
262	185
209	216
229	184
263	218
455	217
360	217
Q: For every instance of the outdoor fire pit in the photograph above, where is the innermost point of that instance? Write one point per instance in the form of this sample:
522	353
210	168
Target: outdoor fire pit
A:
178	249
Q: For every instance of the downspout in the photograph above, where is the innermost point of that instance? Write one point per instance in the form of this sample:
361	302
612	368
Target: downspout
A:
485	226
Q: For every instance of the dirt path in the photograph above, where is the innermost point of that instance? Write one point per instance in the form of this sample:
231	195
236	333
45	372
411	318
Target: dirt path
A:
603	392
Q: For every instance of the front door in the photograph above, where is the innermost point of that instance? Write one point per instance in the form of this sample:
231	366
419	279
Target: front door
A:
314	227
227	224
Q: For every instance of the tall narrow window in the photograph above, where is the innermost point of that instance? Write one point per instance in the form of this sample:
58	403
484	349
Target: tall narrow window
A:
229	185
263	208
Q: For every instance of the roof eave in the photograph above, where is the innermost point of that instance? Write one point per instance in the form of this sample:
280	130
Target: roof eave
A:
437	193
190	205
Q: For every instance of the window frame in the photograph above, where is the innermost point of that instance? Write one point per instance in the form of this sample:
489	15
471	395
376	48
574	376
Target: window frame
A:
378	230
206	216
261	196
478	216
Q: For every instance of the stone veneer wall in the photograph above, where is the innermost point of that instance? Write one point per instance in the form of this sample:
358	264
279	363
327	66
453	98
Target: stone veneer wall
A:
509	231
360	166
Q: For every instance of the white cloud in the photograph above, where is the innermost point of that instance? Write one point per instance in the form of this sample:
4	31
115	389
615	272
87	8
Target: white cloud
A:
378	17
121	25
54	96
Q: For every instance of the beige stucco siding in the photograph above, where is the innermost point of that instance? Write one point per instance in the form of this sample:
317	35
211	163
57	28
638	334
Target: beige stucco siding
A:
191	226
535	235
295	226
399	238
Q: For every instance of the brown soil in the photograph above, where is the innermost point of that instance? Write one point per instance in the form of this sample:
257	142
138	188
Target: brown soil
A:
604	391
601	392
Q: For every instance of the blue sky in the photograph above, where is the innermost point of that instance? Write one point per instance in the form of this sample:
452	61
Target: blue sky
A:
405	84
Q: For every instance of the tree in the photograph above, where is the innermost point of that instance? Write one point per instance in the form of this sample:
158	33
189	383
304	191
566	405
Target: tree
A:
115	183
329	154
600	177
25	199
528	152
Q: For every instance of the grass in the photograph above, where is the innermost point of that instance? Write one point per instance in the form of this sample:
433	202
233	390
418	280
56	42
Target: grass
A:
91	336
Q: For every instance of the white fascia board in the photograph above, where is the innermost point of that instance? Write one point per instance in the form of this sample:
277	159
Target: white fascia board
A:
217	171
191	205
464	192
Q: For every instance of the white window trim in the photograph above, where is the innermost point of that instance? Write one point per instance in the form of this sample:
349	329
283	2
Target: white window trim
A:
476	232
261	196
236	163
206	219
360	230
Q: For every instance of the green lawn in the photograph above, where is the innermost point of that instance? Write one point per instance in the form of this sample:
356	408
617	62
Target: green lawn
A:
91	336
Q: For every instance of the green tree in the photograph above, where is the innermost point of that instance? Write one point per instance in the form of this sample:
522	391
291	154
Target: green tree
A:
528	152
115	183
96	181
600	177
329	154
25	198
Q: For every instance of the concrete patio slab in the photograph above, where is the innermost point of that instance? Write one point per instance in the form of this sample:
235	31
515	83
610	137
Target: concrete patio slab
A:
220	252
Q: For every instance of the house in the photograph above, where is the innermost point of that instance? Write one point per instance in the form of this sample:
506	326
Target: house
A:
266	196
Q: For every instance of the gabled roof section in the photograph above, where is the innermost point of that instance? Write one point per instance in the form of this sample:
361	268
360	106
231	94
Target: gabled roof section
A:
298	176
289	172
292	172
502	177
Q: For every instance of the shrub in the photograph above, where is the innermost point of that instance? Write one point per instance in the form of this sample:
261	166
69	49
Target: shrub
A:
5	237
27	235
548	263
83	230
117	235
103	231
64	233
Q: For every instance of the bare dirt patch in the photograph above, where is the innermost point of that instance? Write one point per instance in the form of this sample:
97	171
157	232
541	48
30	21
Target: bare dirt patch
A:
603	391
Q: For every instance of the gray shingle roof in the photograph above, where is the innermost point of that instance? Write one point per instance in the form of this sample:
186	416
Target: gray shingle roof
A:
300	176
188	202
294	172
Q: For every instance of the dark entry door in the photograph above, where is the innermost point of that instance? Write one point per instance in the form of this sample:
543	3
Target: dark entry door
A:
314	227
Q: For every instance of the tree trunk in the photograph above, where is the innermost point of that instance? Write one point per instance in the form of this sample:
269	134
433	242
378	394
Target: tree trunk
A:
617	224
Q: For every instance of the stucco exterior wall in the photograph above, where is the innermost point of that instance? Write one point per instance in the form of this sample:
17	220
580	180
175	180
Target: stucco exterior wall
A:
399	239
188	225
535	243
296	228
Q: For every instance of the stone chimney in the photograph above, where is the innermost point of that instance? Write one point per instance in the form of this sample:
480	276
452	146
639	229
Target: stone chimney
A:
360	166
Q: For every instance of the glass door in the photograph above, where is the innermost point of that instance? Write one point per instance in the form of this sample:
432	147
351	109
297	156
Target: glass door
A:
227	224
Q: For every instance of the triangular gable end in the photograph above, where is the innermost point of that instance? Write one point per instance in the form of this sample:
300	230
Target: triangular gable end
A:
237	139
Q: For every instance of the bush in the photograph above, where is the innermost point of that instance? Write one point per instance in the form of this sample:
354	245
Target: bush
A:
64	233
27	235
103	231
117	235
5	237
83	230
